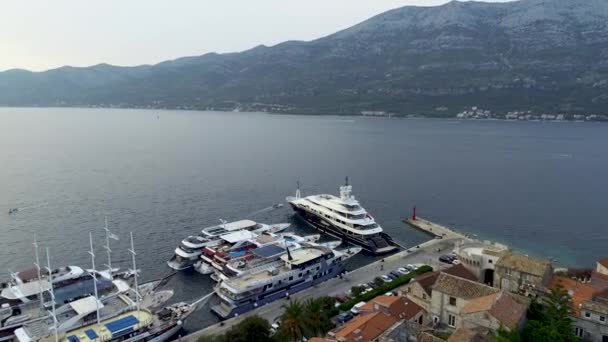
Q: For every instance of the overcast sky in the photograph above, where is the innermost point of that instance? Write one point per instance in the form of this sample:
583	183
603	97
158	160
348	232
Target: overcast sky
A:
40	35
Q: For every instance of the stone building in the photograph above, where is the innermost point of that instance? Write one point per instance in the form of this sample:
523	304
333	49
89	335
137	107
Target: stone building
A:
480	258
522	274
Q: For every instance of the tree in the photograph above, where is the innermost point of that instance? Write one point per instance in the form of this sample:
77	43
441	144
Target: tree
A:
292	321
357	290
313	317
253	328
378	281
550	320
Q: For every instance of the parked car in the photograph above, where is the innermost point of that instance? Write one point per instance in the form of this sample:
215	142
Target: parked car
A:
386	279
389	293
403	270
345	317
411	267
275	326
373	285
395	273
356	309
392	276
448	259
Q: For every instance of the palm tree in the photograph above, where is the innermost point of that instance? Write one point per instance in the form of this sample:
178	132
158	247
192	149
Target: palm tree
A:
292	321
314	316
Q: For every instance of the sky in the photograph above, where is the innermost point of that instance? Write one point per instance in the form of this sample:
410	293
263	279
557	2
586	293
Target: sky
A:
40	35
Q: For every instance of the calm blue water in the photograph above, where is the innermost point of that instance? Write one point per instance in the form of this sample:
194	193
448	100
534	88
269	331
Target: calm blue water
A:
163	175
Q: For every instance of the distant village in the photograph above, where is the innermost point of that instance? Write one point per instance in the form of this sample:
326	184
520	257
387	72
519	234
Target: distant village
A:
477	113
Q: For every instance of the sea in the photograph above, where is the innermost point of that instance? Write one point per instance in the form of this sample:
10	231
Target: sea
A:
163	175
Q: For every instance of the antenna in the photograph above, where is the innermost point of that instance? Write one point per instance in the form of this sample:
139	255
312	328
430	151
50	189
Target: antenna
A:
38	269
50	278
134	270
92	252
298	190
346	181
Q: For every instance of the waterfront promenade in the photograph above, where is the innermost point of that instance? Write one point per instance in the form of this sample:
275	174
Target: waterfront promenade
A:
425	253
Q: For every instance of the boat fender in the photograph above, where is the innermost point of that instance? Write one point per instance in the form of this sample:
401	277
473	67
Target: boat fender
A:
179	322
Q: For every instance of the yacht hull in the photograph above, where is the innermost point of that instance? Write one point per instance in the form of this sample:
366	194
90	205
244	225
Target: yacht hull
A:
276	295
327	227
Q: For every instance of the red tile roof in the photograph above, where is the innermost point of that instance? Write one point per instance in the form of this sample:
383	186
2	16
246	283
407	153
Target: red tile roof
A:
368	326
580	292
603	262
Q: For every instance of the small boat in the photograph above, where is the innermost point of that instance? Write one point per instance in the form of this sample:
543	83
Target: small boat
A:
278	205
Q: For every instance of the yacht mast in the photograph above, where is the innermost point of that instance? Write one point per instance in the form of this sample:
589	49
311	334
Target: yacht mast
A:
38	269
50	278
134	270
94	275
298	190
109	235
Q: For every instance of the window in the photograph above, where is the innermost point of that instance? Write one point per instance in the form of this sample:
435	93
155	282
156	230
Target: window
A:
587	314
291	278
578	332
604	338
452	321
452	301
490	261
423	296
409	290
602	318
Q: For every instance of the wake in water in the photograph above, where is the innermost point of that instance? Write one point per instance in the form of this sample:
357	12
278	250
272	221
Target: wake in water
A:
272	207
34	206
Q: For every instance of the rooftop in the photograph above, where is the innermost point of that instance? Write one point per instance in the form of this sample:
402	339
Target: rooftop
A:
238	236
427	280
461	288
598	307
107	328
504	306
466	335
368	326
302	255
524	263
579	292
603	262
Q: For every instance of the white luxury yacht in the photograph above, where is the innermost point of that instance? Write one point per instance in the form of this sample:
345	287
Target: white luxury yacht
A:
189	251
344	218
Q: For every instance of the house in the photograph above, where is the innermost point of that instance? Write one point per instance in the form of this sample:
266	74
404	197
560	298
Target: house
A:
480	258
419	290
376	317
491	312
402	331
450	295
602	266
522	274
589	308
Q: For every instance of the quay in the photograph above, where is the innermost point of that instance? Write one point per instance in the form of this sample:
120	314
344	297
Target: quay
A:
433	229
426	253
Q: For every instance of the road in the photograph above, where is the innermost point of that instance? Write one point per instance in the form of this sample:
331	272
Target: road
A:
426	253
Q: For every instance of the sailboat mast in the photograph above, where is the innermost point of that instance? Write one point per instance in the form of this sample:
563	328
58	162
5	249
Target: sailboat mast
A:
108	250
38	269
94	275
134	270
50	278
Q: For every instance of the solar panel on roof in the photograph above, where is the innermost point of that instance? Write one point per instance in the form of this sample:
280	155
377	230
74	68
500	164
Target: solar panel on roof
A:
268	251
122	323
91	334
73	338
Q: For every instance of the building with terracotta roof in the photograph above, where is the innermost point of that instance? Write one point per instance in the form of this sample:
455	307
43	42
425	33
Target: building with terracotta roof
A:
602	266
589	305
522	274
419	290
376	317
501	309
450	295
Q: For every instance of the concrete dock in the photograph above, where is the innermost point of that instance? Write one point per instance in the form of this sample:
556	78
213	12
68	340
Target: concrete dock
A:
434	229
425	253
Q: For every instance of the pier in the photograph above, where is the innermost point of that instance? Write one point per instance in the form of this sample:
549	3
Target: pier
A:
425	253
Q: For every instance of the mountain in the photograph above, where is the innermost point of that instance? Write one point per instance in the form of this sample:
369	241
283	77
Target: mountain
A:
539	55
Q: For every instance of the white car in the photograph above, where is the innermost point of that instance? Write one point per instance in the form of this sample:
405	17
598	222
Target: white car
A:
403	270
356	309
386	279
